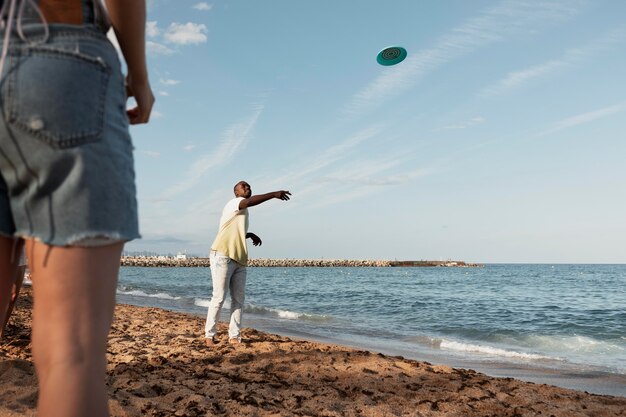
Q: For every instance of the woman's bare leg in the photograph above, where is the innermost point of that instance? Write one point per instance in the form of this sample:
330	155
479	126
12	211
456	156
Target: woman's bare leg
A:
15	293
8	273
74	298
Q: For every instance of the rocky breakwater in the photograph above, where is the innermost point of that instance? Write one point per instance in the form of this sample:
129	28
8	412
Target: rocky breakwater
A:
165	261
453	264
317	263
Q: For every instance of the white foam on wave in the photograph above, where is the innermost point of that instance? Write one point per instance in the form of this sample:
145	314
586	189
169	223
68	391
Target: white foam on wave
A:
204	302
139	293
293	315
490	350
575	344
285	314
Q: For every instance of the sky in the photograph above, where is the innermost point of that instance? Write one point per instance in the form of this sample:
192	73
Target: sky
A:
500	138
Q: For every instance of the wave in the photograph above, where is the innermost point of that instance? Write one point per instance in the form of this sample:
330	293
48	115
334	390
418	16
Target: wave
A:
139	293
285	314
202	302
575	344
267	311
492	351
480	349
576	349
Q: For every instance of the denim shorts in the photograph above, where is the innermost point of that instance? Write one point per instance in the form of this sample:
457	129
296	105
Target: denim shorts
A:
66	162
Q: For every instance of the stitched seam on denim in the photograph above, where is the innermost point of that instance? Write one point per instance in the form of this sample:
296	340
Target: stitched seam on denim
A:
64	140
69	35
78	32
10	88
55	53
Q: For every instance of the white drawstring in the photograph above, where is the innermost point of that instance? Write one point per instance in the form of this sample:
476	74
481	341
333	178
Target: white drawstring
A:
7	34
41	17
2	10
9	27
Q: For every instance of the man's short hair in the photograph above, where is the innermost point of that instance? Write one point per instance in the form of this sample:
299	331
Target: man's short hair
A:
235	187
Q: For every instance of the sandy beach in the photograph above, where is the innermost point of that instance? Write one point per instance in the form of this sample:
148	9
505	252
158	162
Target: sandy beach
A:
159	366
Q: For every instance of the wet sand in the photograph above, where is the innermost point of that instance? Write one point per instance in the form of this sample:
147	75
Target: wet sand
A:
159	366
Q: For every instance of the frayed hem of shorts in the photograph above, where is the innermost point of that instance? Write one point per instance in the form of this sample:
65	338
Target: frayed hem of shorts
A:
89	240
85	240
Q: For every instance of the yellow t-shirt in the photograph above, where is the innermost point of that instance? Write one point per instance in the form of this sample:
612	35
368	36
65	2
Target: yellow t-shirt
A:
231	238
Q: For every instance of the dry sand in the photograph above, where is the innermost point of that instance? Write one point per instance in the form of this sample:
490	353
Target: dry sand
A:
159	366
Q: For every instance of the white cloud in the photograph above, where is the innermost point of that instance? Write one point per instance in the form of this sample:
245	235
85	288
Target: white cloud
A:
310	176
328	157
516	79
367	173
471	122
151	154
585	118
164	93
151	29
186	33
234	139
325	199
189	147
153	48
166	81
334	176
360	180
509	18
155	114
358	188
203	6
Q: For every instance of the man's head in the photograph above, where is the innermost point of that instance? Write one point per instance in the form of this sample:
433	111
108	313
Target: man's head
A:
242	189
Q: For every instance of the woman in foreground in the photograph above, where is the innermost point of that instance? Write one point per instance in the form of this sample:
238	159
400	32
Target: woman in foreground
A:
67	181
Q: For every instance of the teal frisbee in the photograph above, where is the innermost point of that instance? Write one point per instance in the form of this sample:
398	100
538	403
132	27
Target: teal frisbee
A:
391	55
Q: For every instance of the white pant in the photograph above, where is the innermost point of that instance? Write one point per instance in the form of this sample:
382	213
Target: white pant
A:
226	275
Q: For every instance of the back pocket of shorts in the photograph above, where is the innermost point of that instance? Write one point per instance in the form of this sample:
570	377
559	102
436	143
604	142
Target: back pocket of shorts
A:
58	96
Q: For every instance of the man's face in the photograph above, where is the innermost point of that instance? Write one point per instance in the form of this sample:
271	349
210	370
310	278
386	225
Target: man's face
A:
243	189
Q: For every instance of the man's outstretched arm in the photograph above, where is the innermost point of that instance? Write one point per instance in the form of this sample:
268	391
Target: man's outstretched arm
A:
262	198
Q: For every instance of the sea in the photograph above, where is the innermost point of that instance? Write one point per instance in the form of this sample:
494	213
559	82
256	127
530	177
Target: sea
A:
559	324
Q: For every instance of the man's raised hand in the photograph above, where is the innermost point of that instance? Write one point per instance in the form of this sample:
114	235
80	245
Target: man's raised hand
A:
282	195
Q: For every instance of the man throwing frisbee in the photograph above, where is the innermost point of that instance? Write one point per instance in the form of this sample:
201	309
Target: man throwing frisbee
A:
229	257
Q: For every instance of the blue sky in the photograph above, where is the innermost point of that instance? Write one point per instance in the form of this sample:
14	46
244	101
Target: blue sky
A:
500	138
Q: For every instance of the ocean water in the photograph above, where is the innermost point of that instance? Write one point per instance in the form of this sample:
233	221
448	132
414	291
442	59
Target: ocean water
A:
561	324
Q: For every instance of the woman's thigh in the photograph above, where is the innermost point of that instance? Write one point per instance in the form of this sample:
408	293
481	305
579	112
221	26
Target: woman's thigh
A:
74	290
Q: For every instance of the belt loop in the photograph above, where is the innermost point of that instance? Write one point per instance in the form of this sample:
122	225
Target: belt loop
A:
88	12
100	16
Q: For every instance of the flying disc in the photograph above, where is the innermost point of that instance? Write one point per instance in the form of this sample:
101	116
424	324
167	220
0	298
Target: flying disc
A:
391	55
